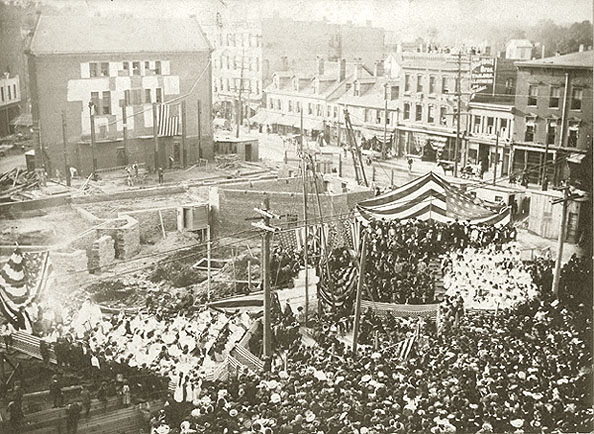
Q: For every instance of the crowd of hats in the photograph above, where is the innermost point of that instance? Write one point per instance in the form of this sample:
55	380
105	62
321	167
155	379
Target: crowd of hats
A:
488	278
522	369
397	269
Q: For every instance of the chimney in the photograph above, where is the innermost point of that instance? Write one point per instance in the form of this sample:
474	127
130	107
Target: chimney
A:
342	70
581	48
379	69
320	65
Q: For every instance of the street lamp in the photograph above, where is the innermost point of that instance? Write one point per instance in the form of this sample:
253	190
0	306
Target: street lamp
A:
92	118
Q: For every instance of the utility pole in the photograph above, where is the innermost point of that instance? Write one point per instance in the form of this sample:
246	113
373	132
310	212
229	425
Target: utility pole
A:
239	106
385	120
92	117
184	133
208	264
199	130
496	157
156	135
125	131
65	148
305	246
458	97
267	347
561	240
362	261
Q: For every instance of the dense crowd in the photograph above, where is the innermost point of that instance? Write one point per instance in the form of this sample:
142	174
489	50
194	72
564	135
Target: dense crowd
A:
525	369
488	278
399	255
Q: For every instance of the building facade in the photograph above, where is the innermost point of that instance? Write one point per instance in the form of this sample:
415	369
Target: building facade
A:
553	114
113	68
10	101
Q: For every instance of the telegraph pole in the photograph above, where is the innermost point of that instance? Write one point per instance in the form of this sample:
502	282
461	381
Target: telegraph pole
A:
125	131
458	97
239	107
156	135
199	130
360	282
267	348
305	246
65	146
385	120
92	117
496	157
561	240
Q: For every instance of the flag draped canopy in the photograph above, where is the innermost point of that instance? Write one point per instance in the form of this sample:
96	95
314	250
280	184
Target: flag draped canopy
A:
431	197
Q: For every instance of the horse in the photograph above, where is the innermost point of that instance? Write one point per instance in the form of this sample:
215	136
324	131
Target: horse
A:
447	166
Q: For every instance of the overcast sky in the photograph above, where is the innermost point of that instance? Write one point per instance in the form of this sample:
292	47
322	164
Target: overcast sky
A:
402	16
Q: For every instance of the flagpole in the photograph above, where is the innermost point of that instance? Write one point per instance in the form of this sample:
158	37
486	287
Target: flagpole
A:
362	262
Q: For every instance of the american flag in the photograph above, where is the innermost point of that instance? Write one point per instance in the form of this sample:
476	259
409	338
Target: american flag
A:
463	207
403	348
22	281
169	120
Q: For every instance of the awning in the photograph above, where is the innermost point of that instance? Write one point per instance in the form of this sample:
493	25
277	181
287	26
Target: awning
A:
311	124
576	158
287	121
22	120
260	117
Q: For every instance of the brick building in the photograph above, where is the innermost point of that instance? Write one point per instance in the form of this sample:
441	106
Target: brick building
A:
10	100
553	114
316	92
121	65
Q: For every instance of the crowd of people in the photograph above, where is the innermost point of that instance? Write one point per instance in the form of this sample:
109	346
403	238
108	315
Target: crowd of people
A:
522	369
493	277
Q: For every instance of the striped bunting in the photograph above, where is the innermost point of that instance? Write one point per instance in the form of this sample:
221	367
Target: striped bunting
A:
430	197
403	348
169	120
22	281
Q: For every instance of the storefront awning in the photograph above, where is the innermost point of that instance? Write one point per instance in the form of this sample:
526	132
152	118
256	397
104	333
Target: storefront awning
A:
260	117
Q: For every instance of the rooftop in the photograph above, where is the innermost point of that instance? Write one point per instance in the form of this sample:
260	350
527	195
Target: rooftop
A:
580	59
116	34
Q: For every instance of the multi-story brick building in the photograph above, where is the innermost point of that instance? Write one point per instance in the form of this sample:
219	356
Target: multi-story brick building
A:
119	65
553	114
10	99
262	47
316	92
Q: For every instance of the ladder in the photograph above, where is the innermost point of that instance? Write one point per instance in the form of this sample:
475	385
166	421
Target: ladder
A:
355	151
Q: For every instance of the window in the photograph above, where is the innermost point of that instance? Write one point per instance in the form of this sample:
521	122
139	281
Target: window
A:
135	68
572	134
576	99
328	111
503	127
95	101
443	120
290	107
490	125
378	116
158	67
509	86
554	97
298	106
270	103
406	111
147	66
444	85
147	96
394	92
366	115
406	82
93	70
530	131
158	95
106	103
2	93
431	84
105	69
419	113
14	92
126	68
136	96
357	89
551	133
278	104
419	83
335	114
477	125
319	111
309	108
9	93
430	114
532	94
